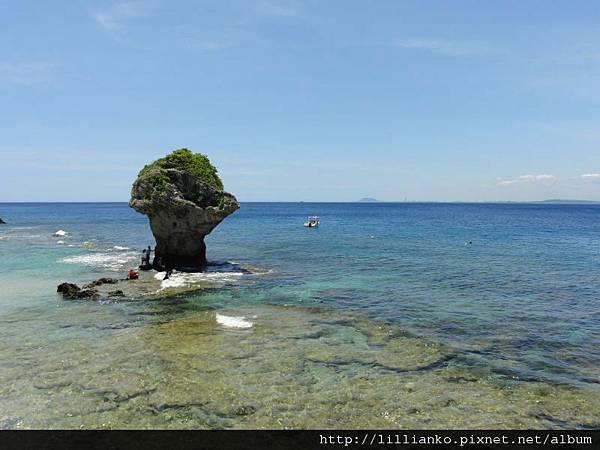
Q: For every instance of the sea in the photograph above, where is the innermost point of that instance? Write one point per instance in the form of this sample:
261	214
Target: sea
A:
388	315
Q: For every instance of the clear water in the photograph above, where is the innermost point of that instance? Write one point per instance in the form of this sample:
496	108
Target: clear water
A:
385	316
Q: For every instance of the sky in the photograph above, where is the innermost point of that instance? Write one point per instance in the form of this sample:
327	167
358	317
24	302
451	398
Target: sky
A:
303	100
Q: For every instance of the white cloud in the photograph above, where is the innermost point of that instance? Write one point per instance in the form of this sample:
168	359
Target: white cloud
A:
590	178
548	180
25	73
442	47
505	182
542	177
113	18
528	179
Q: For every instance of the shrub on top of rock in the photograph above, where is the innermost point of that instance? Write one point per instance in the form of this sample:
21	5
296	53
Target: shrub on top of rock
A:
195	164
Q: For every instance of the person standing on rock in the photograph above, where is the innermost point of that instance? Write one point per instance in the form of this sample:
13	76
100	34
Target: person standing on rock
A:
148	252
146	259
168	269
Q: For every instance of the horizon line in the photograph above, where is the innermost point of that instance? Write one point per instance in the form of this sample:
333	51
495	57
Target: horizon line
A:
329	201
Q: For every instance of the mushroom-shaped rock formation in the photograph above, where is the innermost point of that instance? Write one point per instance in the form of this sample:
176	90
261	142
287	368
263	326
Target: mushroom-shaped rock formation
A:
183	197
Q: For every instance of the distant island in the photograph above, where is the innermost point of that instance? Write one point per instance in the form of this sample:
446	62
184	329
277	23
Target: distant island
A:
367	200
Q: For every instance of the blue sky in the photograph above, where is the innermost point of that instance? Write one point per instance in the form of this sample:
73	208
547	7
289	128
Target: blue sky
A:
303	100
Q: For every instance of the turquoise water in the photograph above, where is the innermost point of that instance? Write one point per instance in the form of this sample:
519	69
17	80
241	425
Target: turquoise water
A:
506	294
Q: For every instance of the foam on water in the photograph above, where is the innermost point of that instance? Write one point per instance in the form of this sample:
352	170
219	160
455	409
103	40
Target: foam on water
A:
233	322
109	261
182	279
119	247
23	234
174	281
60	233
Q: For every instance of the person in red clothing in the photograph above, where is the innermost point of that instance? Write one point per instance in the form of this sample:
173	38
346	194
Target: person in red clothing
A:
132	275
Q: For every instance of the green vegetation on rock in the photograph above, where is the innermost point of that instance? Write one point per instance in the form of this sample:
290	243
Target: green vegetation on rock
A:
158	177
183	159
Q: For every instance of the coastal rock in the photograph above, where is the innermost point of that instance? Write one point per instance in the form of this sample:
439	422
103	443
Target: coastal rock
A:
68	289
2	221
184	200
100	282
72	291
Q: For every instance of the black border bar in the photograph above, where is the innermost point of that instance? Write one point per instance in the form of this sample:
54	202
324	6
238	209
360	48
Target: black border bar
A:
301	439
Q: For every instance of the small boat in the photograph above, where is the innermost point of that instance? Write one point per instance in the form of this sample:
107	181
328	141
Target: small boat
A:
312	222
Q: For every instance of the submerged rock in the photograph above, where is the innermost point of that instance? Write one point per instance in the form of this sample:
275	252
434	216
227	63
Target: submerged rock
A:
72	291
183	197
117	293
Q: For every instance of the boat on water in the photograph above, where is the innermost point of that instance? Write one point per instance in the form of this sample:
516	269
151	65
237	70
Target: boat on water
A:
312	222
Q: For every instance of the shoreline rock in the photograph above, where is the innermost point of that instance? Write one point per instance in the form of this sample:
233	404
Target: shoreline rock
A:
100	282
151	284
146	287
72	291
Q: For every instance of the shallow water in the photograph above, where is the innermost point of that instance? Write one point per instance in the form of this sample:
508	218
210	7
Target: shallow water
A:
382	317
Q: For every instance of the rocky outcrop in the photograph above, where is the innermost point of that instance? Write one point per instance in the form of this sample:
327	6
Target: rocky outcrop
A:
184	201
2	221
72	291
100	282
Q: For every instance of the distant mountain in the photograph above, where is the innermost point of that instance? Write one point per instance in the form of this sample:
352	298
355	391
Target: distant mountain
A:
368	200
563	201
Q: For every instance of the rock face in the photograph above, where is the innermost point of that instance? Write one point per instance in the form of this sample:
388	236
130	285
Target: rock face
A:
184	200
